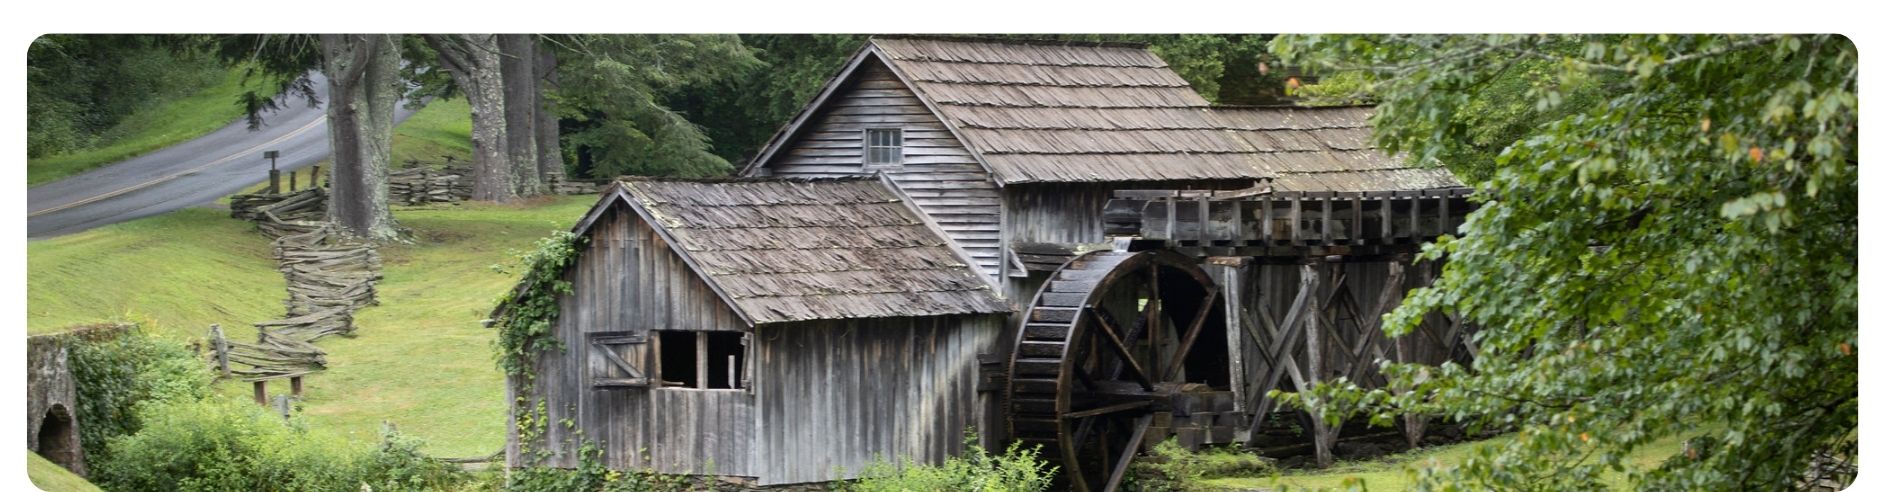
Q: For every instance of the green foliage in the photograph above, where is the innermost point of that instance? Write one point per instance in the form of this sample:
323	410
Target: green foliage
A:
217	444
79	86
592	476
740	113
611	93
1171	467
115	375
1018	469
1679	251
525	325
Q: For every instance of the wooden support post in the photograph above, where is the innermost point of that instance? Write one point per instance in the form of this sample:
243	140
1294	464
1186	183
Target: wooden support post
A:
1232	271
1417	234
1294	214
292	181
1327	220
315	175
1202	214
262	391
1267	221
275	182
1386	219
1353	229
1316	371
295	386
1445	214
221	349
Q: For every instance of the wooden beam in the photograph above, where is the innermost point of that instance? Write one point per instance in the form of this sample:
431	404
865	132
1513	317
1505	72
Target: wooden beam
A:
1323	436
1116	345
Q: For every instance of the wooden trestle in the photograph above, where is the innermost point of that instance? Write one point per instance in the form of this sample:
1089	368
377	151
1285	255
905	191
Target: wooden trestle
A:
1306	279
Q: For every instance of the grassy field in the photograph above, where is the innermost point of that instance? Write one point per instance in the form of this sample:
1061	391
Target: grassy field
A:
420	359
443	128
52	478
1391	472
153	128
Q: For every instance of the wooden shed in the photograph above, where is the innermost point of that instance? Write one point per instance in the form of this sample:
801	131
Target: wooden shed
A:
778	330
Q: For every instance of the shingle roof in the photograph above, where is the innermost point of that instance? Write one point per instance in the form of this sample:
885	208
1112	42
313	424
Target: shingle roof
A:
1071	112
1326	149
795	250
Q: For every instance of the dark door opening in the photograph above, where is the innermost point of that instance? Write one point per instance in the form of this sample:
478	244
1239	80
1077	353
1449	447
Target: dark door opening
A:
58	440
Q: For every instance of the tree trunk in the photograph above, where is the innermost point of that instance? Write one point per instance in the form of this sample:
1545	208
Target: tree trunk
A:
364	84
517	55
473	62
551	159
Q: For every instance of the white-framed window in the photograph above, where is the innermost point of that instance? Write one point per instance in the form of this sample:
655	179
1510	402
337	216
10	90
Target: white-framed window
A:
885	147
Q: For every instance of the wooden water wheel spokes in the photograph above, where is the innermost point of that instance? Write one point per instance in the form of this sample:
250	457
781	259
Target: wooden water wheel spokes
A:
1100	350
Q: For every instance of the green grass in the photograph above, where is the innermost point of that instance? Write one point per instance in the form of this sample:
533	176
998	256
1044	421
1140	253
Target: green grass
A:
1390	472
159	126
420	359
175	273
443	128
53	478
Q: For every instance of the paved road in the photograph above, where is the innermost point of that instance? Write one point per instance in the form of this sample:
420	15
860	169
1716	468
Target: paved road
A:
192	173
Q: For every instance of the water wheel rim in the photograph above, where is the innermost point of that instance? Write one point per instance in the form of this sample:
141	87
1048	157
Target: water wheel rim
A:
1096	275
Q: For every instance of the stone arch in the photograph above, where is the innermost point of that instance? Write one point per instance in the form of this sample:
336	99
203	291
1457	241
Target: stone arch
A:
58	438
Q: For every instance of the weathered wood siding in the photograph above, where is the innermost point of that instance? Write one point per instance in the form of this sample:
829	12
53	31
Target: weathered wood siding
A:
833	395
1069	213
628	280
938	172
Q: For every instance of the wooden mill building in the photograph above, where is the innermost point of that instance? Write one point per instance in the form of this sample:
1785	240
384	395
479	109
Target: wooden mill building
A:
901	259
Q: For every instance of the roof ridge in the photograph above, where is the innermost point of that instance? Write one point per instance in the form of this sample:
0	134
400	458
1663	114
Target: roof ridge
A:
993	39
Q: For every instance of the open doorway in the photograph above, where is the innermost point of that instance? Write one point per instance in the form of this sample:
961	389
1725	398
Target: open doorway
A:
58	439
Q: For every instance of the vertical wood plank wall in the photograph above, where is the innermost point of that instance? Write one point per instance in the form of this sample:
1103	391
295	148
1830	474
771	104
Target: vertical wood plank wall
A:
939	173
1069	213
627	279
833	395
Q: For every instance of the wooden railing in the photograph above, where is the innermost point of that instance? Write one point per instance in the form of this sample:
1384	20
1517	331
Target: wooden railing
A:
1248	223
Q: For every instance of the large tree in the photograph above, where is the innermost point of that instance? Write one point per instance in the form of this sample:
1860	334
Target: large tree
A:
364	85
473	61
1676	256
363	77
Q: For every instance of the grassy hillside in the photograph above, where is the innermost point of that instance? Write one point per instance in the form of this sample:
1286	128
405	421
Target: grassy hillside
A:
156	127
420	359
52	478
443	128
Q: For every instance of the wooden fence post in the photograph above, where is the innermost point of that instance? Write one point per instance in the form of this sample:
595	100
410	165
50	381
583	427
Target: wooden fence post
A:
315	175
295	386
262	392
292	181
275	182
222	350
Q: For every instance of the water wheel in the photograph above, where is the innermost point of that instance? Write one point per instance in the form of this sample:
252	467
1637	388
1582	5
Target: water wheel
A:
1101	350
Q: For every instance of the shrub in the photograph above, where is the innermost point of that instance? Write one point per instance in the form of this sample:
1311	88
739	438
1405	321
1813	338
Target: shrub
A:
1016	470
1170	467
219	445
591	475
116	370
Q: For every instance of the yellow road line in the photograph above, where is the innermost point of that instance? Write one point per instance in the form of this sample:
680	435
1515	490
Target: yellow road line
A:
161	179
